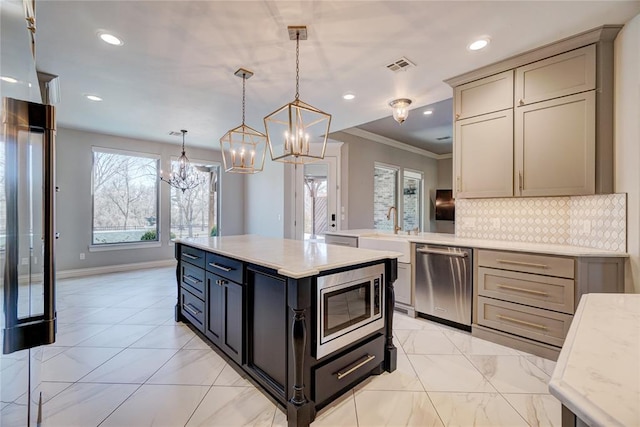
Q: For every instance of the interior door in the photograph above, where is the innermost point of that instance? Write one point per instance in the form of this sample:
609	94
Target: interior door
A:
26	251
316	202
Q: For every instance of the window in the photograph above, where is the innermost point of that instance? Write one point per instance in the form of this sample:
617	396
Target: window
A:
411	200
194	213
385	195
125	197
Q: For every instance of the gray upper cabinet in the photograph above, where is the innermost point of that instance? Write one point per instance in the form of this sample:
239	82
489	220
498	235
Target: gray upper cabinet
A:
493	93
560	75
560	138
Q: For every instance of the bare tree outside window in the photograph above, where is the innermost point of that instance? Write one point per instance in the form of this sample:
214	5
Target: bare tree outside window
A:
194	213
125	197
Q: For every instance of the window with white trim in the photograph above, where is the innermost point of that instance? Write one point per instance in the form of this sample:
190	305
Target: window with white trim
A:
125	197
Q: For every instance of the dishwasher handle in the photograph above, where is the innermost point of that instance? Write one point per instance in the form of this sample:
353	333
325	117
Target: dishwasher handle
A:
442	252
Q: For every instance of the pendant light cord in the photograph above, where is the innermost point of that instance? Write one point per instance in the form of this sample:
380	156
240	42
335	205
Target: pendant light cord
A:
244	81
183	133
297	65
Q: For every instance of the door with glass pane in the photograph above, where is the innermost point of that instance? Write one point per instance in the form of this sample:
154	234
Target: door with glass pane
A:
26	248
412	200
316	201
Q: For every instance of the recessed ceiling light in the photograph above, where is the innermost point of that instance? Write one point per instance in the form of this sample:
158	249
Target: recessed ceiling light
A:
111	39
94	98
481	43
348	96
427	112
8	79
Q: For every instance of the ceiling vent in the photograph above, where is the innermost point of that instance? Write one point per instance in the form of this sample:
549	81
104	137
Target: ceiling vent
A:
400	64
442	138
175	133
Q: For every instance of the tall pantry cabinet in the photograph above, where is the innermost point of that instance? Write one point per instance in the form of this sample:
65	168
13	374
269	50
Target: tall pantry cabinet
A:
538	124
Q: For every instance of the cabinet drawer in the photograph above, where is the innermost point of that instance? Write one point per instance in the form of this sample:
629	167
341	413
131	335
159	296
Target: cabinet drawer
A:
341	240
339	374
493	93
560	75
192	308
550	293
192	278
541	325
228	268
538	264
192	255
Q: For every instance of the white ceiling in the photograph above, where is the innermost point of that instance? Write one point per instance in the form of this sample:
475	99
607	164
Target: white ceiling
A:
175	69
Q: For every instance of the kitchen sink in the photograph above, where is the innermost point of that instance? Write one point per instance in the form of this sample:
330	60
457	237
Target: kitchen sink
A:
387	242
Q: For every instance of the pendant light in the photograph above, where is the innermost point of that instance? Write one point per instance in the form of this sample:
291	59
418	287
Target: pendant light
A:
243	148
185	178
297	132
400	109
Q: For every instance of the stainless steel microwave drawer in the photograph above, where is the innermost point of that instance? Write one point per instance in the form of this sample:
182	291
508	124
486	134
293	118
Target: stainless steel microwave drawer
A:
228	268
541	325
547	265
552	293
337	375
192	278
351	241
192	308
192	255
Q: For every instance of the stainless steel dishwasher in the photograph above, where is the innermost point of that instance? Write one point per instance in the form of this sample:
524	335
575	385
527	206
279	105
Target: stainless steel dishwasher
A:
443	283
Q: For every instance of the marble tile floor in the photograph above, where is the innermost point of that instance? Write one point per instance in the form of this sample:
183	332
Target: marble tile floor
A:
121	360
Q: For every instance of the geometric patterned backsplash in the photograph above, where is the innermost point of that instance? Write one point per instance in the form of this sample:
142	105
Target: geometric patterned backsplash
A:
598	221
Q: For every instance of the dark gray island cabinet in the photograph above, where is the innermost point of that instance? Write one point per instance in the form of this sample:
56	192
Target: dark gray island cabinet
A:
305	321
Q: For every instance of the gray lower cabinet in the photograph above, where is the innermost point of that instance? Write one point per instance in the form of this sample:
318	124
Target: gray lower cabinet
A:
224	315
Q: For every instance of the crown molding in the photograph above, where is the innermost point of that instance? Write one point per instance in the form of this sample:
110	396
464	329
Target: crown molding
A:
394	143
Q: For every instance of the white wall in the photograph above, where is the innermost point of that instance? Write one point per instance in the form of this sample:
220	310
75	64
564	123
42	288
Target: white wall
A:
358	158
264	203
445	173
627	140
73	202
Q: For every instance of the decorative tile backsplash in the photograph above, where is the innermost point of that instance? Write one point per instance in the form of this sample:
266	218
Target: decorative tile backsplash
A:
588	221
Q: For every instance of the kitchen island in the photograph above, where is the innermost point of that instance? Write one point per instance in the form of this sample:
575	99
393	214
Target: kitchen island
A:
305	321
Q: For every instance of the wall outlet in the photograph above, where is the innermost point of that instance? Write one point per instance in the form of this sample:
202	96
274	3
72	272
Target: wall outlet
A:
81	255
469	222
495	223
585	226
25	261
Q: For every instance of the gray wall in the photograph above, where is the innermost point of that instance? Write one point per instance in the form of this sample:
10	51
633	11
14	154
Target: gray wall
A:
445	181
73	209
358	158
264	202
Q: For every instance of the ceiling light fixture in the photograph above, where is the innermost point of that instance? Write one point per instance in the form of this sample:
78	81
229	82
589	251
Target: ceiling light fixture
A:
297	132
428	112
111	39
186	178
348	96
400	109
93	98
243	148
8	79
481	43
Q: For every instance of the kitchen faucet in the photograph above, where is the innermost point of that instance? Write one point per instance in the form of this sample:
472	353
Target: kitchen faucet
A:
395	218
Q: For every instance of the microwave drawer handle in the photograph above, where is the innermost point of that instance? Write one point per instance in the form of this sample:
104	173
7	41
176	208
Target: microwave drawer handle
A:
521	322
220	267
191	309
524	264
186	255
355	366
340	243
441	252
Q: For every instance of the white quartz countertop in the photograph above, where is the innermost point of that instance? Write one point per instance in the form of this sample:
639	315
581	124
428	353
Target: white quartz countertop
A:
291	258
452	240
598	372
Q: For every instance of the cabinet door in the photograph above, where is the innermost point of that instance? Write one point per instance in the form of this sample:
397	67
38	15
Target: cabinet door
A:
560	75
402	285
214	318
493	93
483	154
232	309
555	146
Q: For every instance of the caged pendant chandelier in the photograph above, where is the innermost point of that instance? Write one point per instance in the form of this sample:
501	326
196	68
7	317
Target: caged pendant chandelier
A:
186	178
297	132
243	148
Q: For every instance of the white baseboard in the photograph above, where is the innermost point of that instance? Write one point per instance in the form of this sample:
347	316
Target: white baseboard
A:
92	271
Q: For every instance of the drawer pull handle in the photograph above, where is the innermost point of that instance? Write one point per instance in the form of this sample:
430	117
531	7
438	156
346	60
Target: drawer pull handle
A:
192	279
220	267
528	291
521	322
221	282
340	243
524	264
191	309
355	366
190	256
